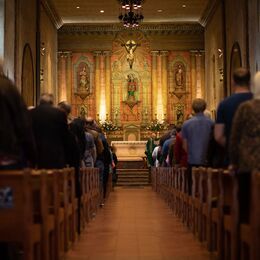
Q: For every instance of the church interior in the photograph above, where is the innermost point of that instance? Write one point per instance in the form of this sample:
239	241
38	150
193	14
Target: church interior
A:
133	74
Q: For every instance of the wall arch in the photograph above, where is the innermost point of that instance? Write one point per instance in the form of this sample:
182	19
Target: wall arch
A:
235	62
27	78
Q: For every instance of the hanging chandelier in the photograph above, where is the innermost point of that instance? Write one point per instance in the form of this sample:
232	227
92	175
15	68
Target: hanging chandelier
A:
131	12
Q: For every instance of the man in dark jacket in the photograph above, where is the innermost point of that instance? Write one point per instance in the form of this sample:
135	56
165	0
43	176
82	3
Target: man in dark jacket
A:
51	134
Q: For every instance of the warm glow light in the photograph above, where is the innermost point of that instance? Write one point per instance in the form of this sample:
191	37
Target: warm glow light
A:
159	11
78	7
183	6
102	11
102	114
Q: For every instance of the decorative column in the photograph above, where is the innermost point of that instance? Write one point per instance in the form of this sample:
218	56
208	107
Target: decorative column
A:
159	88
69	79
164	55
102	104
154	83
62	92
108	82
202	71
198	76
193	75
97	80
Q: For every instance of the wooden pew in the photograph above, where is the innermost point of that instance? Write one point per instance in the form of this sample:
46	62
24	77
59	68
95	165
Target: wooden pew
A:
249	215
255	215
16	216
196	203
214	229
229	215
73	205
205	204
43	214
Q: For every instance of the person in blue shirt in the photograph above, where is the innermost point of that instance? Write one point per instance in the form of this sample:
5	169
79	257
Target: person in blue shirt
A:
228	107
196	134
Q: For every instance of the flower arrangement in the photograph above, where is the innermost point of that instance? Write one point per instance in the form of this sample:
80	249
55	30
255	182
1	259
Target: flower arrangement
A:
157	126
107	126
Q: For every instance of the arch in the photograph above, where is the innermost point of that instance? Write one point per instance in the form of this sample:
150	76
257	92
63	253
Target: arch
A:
81	62
27	77
235	61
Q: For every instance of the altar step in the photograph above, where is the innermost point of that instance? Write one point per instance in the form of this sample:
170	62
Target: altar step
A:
133	177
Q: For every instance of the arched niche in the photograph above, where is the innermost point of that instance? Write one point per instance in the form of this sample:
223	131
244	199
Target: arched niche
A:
27	80
235	61
82	64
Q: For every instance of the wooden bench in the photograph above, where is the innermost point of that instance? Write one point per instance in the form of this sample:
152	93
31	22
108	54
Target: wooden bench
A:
196	203
17	215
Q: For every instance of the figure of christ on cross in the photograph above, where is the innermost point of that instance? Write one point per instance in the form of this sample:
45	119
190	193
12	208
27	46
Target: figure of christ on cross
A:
130	47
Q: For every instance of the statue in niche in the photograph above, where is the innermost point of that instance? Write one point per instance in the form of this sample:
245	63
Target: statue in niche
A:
83	112
180	77
84	80
179	113
130	47
131	87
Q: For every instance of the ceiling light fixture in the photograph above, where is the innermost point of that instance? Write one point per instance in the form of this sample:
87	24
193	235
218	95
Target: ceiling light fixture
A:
159	11
184	6
78	7
102	11
131	12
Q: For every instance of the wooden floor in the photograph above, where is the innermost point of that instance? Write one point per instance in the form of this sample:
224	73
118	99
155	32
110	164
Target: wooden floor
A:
136	224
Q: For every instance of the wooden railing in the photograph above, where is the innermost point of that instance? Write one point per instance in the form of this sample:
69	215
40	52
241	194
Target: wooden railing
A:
39	209
222	211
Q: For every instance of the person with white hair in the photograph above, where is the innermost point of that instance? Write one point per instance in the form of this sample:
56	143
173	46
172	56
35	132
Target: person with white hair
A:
244	147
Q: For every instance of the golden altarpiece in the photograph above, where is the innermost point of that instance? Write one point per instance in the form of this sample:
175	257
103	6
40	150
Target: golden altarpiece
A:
131	82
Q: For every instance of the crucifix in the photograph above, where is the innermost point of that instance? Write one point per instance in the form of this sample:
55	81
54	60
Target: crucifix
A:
130	47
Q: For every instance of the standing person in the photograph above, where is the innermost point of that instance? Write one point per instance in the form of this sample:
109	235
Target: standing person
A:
17	147
196	135
114	165
150	145
51	134
90	153
244	147
228	107
180	155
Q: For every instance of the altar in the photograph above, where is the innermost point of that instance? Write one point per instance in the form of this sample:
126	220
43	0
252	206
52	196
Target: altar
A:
130	154
130	150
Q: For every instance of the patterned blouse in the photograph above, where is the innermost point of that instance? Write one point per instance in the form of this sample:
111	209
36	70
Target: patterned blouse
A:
245	137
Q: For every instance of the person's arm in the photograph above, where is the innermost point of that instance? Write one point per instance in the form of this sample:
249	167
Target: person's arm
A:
236	132
219	130
219	134
185	145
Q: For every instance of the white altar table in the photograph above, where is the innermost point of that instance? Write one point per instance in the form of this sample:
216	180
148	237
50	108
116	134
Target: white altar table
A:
130	150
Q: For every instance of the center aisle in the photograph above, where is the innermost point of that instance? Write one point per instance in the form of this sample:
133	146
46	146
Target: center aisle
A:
136	224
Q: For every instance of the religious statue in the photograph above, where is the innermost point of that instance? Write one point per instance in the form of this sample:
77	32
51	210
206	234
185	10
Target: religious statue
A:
130	47
131	87
179	77
83	112
179	114
84	80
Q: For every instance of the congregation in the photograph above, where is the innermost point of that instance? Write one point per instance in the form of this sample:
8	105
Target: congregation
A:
232	141
46	137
